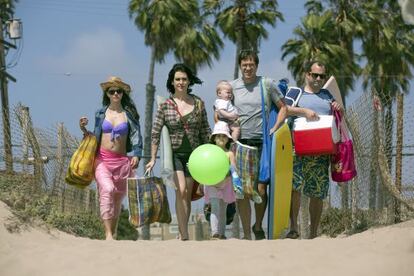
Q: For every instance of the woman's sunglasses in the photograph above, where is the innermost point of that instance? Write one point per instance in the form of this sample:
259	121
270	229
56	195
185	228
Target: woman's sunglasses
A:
113	91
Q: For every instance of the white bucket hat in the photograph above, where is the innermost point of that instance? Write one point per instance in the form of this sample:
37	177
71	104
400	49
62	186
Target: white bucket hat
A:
220	128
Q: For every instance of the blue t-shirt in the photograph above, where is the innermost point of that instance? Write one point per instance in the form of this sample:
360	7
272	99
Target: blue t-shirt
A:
319	102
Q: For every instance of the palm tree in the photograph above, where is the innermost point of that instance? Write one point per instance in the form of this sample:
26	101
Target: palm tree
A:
347	18
242	21
159	20
388	47
198	41
315	41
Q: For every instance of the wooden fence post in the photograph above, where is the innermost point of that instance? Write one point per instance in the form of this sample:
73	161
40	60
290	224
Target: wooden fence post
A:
398	158
24	116
25	147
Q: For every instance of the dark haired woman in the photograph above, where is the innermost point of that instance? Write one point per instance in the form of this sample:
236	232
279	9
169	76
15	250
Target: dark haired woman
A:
118	131
186	119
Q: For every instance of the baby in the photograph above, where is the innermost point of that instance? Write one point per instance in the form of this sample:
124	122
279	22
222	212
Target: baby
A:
226	111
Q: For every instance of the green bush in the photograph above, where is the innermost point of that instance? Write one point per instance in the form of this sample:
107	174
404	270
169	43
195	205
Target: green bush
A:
80	224
125	230
29	202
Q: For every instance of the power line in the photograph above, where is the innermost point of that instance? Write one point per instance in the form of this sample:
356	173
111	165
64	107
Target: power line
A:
77	2
37	9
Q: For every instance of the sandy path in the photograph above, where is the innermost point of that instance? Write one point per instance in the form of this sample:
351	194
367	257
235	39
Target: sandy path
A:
34	251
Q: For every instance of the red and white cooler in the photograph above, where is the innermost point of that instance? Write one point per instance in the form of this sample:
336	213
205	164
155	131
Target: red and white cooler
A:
315	137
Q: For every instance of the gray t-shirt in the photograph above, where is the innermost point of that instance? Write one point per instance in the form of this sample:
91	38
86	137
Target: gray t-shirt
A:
318	102
248	100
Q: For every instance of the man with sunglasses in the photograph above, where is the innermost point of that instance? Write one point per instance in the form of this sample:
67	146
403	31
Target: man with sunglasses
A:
311	173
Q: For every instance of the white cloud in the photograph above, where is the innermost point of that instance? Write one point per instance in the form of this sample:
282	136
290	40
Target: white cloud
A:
100	52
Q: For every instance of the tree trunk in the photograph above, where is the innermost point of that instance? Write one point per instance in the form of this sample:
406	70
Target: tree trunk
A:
236	64
149	110
240	26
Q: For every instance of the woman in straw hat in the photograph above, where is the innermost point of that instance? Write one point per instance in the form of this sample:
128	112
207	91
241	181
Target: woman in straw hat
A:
118	131
186	119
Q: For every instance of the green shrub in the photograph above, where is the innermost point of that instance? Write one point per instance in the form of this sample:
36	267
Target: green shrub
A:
29	202
125	230
80	224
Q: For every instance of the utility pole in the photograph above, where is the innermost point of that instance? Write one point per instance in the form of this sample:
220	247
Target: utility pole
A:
5	103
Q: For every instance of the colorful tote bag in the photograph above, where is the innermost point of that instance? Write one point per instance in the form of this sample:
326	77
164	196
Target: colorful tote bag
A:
343	162
81	167
148	202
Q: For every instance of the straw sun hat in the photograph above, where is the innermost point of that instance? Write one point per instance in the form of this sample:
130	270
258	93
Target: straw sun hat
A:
117	82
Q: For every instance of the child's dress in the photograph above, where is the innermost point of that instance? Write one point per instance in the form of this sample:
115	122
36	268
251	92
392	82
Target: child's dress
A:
219	196
223	190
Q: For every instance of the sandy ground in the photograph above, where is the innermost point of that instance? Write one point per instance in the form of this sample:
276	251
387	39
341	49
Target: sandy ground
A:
37	251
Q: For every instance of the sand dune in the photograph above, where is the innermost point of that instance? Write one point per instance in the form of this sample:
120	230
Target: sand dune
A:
37	251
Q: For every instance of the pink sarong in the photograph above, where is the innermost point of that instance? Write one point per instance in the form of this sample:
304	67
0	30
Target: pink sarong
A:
111	173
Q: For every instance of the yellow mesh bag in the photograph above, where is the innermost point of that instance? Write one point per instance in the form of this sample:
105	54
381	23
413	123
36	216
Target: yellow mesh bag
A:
81	168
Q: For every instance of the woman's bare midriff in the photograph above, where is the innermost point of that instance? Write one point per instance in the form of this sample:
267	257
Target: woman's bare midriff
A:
118	145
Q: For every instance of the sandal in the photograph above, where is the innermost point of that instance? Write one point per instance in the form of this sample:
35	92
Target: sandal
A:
215	237
259	234
292	235
257	199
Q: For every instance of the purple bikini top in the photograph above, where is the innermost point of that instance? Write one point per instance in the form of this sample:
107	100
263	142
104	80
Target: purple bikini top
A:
117	131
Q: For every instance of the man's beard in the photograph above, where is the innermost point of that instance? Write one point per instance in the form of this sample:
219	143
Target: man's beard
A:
317	85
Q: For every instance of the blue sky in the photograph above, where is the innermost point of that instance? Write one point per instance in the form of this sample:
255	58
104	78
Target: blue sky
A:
69	47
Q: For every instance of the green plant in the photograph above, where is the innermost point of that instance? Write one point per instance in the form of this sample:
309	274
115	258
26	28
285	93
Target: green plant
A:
125	230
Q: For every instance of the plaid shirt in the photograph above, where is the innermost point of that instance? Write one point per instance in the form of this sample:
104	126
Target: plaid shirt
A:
195	124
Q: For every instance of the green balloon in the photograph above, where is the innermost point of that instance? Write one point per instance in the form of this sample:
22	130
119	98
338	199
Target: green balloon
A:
208	164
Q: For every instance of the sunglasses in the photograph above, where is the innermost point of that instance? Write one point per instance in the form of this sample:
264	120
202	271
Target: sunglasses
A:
316	75
113	91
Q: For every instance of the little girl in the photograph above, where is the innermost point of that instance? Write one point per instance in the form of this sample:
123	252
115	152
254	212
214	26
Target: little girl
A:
221	194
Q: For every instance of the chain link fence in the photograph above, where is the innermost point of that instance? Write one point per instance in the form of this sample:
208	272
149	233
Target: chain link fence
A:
383	192
37	165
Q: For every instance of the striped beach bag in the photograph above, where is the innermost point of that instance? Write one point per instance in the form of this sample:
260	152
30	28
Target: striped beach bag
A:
147	201
81	168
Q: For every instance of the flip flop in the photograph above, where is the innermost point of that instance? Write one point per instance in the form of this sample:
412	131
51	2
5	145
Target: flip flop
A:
292	235
259	234
256	198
